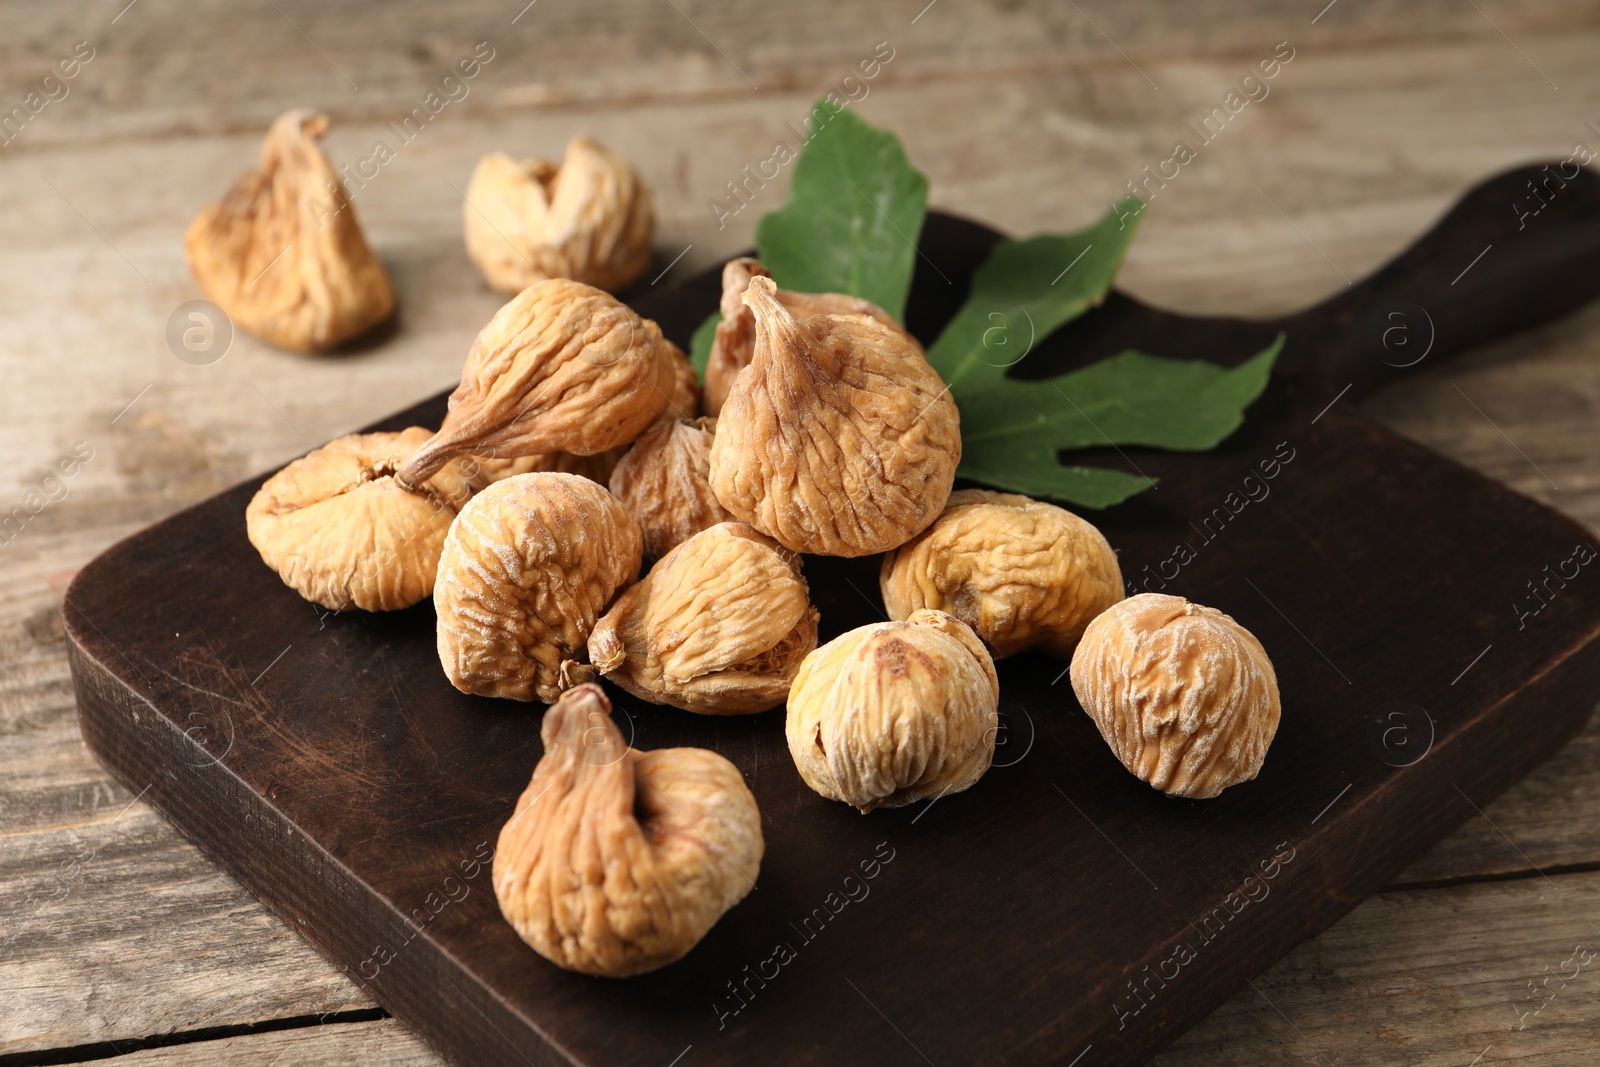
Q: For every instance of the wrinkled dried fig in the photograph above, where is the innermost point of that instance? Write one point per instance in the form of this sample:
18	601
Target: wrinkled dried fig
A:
282	252
562	367
664	480
615	861
589	219
896	712
1185	696
341	532
1021	573
838	439
719	626
528	566
735	339
683	402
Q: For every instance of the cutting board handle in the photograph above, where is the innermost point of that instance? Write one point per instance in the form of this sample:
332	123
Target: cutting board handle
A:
1519	250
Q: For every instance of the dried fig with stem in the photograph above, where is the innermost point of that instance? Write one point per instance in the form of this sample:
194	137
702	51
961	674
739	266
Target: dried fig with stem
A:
734	342
527	567
664	480
1185	696
682	402
896	712
615	861
1022	573
282	254
719	625
342	532
589	219
839	438
562	367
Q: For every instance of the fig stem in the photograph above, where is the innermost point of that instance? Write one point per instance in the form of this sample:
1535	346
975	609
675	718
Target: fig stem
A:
574	674
423	464
774	323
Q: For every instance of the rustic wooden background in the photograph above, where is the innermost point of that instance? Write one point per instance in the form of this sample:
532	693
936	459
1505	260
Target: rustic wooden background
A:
117	938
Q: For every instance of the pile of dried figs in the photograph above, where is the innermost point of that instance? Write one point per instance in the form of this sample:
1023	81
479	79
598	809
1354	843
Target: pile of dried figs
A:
578	520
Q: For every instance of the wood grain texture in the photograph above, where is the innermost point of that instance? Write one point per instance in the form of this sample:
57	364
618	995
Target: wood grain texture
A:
1465	971
220	68
312	1044
1021	114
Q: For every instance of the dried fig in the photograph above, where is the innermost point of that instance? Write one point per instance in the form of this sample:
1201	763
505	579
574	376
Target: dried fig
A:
735	339
1021	573
839	439
896	712
282	252
664	480
683	402
719	626
527	567
341	532
589	219
1186	697
615	861
562	367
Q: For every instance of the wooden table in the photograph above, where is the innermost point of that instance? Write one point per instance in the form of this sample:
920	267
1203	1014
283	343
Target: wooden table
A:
117	937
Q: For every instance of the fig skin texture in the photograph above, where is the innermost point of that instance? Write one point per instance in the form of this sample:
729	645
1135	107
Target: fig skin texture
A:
896	712
734	342
719	626
682	403
562	367
590	219
839	439
1185	696
1022	573
665	481
282	252
341	531
615	861
527	568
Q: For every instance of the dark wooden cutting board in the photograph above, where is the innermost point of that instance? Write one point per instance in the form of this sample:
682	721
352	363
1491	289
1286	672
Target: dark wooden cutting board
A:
1058	912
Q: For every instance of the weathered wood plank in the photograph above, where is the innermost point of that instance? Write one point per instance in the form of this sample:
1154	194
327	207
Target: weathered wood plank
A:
111	926
1360	146
1432	978
1547	821
163	69
1452	982
329	1045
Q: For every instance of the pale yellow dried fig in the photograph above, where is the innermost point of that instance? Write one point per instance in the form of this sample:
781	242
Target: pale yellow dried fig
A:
527	567
282	252
341	532
1022	573
734	342
615	861
1185	696
683	402
589	219
562	367
896	712
719	625
838	439
664	480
